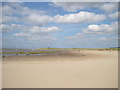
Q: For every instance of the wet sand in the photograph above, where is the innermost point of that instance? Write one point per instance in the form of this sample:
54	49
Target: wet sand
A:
84	69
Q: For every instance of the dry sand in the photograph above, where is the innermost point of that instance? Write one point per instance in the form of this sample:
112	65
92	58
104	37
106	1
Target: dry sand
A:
86	69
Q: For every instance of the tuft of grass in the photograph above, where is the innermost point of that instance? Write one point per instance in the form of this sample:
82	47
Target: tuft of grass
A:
21	53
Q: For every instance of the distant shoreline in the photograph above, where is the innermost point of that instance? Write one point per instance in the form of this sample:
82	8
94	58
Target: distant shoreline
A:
114	48
46	51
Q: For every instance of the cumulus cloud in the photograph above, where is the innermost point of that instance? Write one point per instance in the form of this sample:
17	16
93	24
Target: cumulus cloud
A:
91	40
81	17
37	33
75	6
10	27
38	19
22	34
36	29
7	10
109	7
30	23
42	38
17	12
113	39
27	29
113	15
31	36
108	41
102	29
11	8
103	35
0	15
8	19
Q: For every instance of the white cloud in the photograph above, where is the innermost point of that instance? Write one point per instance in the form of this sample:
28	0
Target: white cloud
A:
102	29
1	28
10	27
22	34
31	36
38	19
17	12
33	22
81	17
42	38
7	10
27	29
36	29
7	19
49	29
109	7
103	38
75	6
87	40
109	41
103	35
37	33
113	15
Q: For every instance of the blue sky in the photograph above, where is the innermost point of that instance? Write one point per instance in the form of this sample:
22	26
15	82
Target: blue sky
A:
59	25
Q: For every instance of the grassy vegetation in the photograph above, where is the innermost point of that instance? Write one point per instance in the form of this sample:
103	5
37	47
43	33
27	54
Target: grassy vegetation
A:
79	49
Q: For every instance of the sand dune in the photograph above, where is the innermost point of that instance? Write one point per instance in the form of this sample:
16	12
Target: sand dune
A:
84	69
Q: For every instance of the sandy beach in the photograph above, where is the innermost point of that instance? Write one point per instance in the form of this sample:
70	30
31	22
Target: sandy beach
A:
73	69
